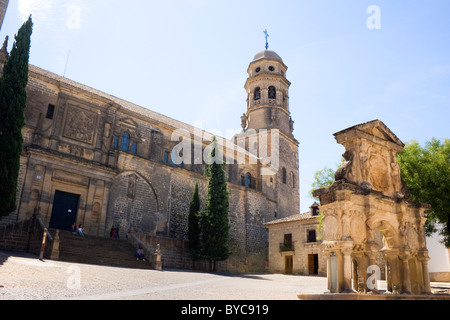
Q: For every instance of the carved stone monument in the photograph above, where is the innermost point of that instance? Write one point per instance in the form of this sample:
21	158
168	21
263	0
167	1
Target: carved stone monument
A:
368	199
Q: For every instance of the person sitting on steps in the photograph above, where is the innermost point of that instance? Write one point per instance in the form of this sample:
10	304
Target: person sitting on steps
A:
74	228
80	230
140	254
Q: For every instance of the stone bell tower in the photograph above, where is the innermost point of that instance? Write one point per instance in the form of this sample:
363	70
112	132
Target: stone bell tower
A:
268	111
268	94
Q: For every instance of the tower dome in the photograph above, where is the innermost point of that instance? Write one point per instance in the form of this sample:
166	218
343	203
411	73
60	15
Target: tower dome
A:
268	55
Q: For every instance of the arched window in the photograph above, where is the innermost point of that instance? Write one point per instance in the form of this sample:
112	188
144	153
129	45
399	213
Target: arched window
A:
125	142
248	180
134	148
283	175
116	142
272	92
257	94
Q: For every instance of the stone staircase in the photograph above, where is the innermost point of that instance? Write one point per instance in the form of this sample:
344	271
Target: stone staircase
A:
99	251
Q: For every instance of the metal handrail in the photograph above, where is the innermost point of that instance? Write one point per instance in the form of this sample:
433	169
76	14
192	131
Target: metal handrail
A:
286	247
42	225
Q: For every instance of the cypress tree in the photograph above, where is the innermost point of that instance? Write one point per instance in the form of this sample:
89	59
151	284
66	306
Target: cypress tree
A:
13	99
214	219
193	225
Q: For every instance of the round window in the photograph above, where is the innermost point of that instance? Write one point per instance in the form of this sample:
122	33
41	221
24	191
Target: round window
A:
258	69
271	68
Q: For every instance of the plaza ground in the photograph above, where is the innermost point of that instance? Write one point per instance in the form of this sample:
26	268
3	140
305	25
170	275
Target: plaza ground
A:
25	277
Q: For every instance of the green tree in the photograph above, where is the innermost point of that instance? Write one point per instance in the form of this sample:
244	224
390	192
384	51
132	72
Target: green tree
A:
322	178
214	223
13	100
193	225
426	172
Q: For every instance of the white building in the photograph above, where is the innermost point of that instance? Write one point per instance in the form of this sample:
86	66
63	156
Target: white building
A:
439	264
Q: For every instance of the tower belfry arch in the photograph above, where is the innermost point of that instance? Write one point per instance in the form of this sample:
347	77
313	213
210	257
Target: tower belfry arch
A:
368	198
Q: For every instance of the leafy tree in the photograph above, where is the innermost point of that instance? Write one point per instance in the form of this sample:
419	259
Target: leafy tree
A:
193	225
13	100
426	172
214	224
322	178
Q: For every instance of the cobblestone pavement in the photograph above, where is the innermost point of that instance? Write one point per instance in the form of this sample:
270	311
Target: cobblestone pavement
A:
25	277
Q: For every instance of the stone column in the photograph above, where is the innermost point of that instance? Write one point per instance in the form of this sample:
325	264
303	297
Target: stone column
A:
424	258
333	272
347	249
388	275
393	275
355	278
372	255
373	262
406	274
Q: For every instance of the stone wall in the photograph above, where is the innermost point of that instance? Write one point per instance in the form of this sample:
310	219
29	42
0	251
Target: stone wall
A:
74	143
3	7
25	236
298	227
175	253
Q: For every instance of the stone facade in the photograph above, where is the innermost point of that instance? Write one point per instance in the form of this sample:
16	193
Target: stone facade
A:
112	159
3	7
295	245
370	198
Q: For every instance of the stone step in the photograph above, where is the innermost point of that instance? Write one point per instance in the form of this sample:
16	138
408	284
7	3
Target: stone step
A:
99	251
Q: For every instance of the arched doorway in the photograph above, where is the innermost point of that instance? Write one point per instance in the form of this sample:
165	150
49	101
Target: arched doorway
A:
133	205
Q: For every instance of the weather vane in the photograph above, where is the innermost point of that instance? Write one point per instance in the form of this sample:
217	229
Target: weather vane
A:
267	36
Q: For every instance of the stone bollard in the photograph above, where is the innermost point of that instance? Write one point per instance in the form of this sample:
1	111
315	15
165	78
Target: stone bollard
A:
44	239
55	249
158	255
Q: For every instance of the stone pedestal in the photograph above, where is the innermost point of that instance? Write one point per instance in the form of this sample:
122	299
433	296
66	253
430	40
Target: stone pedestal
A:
55	248
158	258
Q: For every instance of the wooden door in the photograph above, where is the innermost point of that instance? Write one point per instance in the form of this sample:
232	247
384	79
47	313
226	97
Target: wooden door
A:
65	207
313	264
289	264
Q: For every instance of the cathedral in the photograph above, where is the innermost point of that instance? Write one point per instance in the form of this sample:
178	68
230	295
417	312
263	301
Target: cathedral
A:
97	160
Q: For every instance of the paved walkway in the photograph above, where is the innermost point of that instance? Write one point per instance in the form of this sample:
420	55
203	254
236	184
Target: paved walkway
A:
24	277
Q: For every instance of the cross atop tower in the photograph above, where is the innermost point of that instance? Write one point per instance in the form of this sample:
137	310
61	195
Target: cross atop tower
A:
267	36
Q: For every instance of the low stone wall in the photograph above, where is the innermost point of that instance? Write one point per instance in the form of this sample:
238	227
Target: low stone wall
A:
25	236
440	276
175	254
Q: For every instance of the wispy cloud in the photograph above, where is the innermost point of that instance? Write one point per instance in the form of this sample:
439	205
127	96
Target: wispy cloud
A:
38	8
52	13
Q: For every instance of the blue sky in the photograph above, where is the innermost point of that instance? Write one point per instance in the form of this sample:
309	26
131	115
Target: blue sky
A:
188	59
